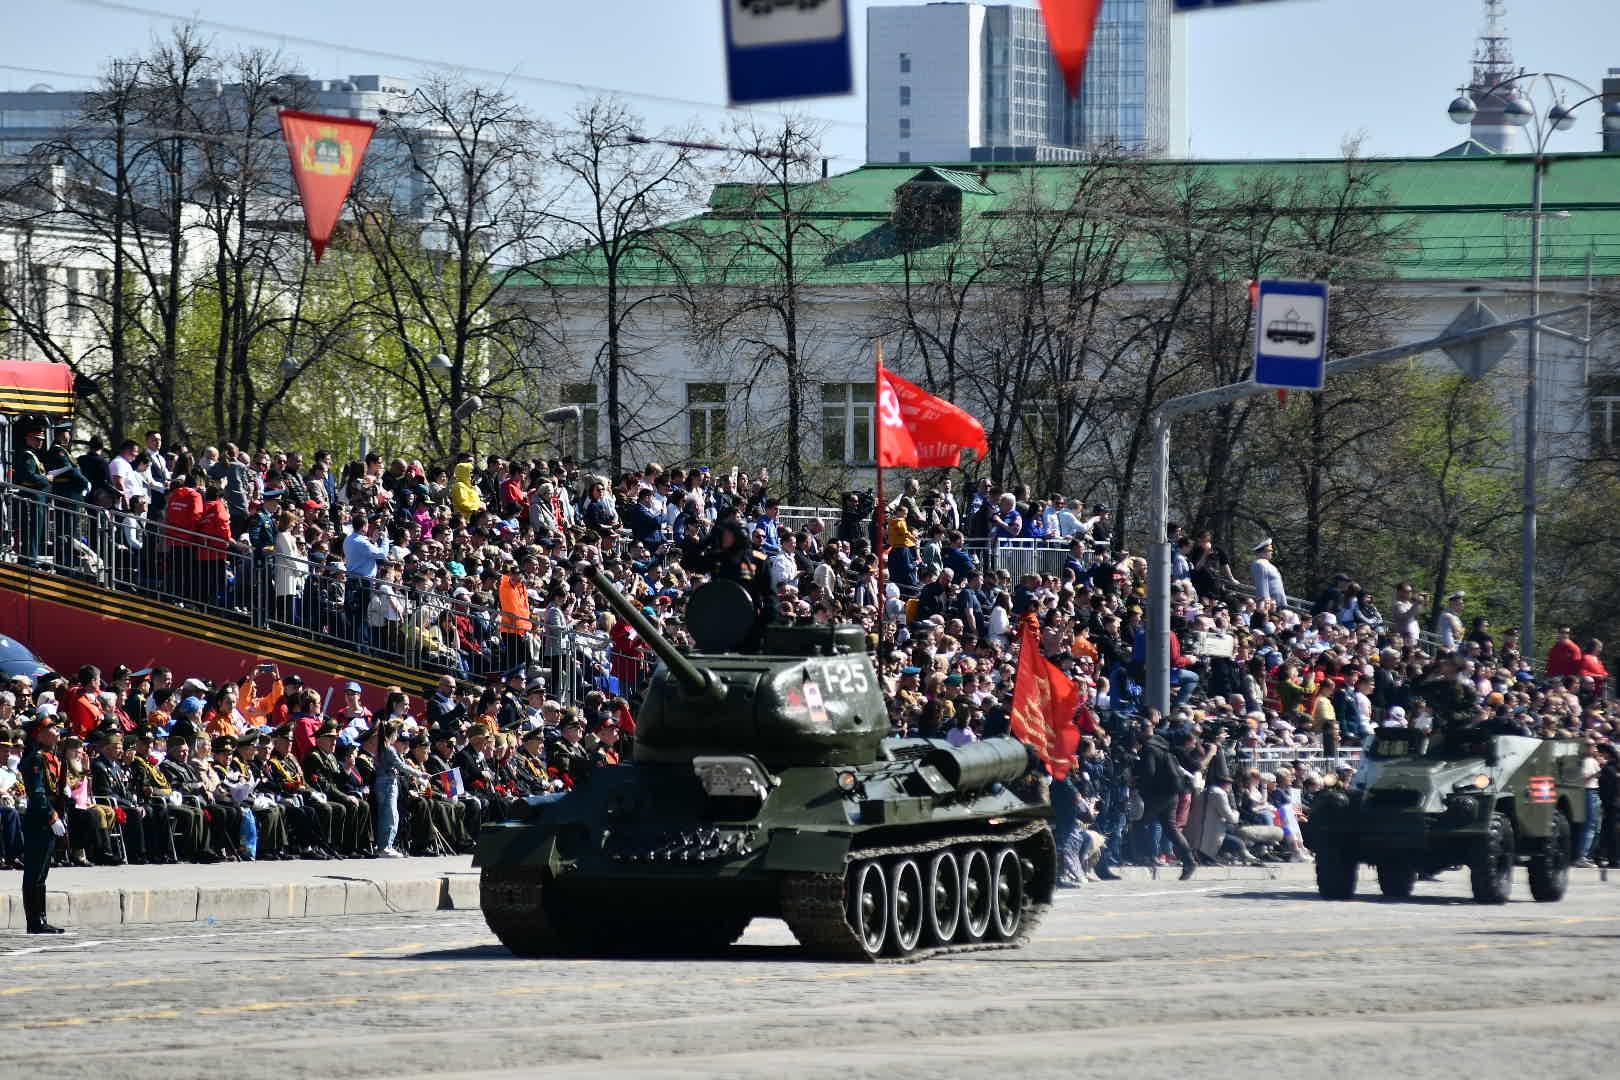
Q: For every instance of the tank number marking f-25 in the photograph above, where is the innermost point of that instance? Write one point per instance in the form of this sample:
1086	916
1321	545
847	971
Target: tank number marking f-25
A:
844	677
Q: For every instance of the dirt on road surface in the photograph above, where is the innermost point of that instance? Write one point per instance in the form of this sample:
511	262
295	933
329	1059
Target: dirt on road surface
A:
1144	978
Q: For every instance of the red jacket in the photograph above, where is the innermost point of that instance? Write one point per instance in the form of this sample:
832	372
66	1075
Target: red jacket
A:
1592	664
84	711
1564	658
216	523
184	508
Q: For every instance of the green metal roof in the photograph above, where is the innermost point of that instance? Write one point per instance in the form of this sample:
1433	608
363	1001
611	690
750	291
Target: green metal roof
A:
1450	212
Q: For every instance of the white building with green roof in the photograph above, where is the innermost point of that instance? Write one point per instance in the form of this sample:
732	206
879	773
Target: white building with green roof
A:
867	240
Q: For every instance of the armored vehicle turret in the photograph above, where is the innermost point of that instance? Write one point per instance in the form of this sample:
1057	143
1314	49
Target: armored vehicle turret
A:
764	784
1470	797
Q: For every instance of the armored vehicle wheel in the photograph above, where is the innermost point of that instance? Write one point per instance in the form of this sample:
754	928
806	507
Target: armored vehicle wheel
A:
869	905
510	898
978	894
1007	912
1490	871
944	898
1396	880
1335	874
1549	871
907	907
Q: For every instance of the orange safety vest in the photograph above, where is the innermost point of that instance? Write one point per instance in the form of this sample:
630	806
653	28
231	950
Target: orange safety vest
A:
515	606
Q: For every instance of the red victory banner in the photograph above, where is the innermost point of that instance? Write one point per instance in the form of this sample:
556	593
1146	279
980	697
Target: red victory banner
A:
326	152
1044	704
1069	26
921	430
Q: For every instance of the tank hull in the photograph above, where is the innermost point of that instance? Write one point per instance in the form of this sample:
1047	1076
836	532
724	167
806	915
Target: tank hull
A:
645	861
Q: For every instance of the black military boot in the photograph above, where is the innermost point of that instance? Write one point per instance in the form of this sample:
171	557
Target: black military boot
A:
34	906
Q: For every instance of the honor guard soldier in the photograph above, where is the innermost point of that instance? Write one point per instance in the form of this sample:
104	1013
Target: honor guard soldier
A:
41	775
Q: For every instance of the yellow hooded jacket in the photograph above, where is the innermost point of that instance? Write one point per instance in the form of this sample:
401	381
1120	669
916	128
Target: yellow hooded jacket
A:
464	496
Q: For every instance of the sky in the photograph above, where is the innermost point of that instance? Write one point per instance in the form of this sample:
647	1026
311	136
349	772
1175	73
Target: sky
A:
1284	78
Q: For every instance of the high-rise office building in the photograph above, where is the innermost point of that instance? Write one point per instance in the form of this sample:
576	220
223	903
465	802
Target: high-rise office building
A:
961	81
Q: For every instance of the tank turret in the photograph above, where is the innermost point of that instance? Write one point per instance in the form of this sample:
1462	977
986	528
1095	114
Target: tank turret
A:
698	682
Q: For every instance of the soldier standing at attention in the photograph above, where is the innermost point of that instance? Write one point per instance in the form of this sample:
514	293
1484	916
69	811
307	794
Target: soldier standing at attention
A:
41	776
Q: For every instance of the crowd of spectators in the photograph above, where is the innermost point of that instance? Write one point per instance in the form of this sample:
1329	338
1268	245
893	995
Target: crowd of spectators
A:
478	571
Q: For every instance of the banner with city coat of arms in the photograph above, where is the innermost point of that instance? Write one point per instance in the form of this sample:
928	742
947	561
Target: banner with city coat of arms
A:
326	152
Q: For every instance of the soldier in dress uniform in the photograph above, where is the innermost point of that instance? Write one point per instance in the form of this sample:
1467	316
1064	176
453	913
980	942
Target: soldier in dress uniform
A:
351	815
430	807
145	827
477	765
313	818
568	756
268	815
214	773
150	783
182	775
41	775
528	765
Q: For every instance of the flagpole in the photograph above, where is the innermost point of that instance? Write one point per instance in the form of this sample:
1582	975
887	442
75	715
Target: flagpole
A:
877	511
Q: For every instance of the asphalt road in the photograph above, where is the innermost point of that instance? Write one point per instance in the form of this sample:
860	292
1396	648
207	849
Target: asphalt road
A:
1148	978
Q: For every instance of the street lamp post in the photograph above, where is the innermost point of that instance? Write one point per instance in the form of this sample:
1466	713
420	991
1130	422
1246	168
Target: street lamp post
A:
1520	110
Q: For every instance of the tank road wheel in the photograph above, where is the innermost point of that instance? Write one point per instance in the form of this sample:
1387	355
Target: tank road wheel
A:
1396	880
907	907
869	906
510	898
1549	871
1490	871
1335	873
944	898
978	893
1008	910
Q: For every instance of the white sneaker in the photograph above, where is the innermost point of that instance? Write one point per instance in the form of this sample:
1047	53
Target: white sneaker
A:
391	853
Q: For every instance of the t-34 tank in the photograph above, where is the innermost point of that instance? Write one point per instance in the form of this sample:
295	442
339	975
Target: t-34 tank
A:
763	785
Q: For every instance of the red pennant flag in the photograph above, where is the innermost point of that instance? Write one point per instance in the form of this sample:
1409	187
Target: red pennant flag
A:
1044	704
940	430
1069	26
326	152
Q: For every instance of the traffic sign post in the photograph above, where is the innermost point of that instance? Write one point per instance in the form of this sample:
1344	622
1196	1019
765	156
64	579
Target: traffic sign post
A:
1290	335
781	49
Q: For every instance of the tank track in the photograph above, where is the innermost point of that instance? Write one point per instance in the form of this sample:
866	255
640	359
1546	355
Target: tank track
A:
815	905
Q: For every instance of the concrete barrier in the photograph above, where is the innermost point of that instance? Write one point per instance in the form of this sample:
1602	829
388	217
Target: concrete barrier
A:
324	898
365	898
95	907
233	902
11	907
287	901
461	892
420	894
166	905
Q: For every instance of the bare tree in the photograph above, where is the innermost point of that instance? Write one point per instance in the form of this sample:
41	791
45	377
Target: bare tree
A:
440	253
621	187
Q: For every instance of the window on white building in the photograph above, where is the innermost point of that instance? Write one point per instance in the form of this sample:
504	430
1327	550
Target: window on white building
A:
846	423
75	301
905	63
905	95
905	127
39	290
706	420
584	439
905	156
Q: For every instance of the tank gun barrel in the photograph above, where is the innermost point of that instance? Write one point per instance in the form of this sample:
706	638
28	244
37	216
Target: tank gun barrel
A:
696	681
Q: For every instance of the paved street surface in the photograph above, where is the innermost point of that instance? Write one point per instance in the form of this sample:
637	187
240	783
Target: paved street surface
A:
1139	978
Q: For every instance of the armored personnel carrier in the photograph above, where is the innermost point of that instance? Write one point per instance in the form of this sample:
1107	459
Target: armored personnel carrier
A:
1424	803
763	785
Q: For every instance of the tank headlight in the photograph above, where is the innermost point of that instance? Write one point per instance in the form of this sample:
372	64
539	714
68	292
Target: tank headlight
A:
1478	782
848	782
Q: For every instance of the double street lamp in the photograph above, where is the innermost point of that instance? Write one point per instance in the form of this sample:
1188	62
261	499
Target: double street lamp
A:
1519	110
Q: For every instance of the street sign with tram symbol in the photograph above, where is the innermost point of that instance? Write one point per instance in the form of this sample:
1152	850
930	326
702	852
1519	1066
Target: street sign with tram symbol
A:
1290	335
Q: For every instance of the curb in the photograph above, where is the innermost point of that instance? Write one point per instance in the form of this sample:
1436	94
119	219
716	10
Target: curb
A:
316	897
